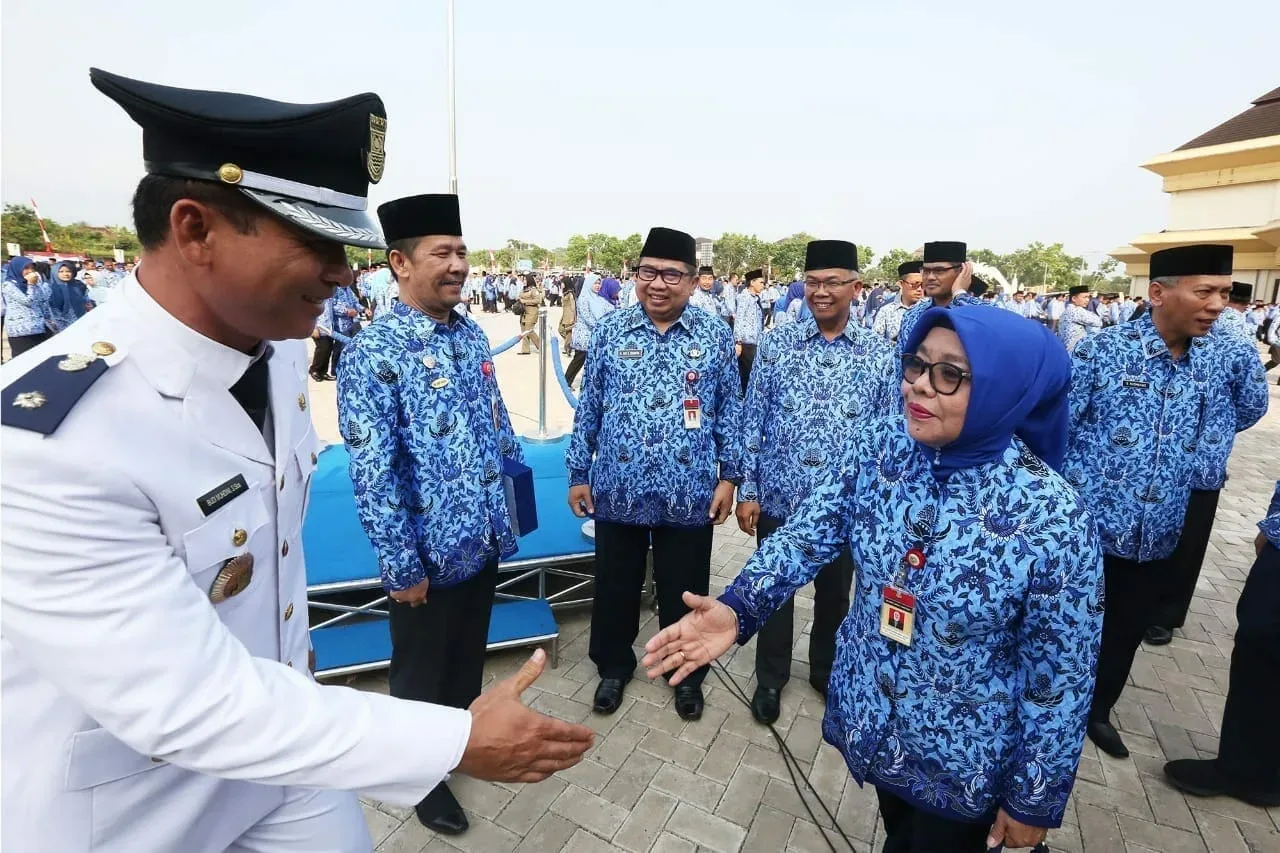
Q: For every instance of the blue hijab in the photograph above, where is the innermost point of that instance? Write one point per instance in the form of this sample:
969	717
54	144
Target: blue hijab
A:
1021	374
14	269
62	301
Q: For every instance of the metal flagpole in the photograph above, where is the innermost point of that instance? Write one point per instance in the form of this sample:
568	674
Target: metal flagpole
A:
453	111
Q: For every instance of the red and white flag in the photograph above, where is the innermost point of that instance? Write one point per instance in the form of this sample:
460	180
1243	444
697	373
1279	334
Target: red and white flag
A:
48	246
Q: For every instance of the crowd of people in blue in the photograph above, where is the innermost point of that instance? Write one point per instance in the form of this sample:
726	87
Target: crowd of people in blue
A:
996	513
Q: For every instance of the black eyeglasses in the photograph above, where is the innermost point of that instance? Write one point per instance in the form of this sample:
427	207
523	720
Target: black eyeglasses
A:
945	378
939	270
647	274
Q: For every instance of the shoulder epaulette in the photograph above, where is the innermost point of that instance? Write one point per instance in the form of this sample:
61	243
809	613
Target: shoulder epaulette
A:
42	398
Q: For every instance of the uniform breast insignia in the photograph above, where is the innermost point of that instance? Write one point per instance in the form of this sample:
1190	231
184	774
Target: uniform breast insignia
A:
429	362
232	579
42	399
103	348
222	494
439	382
695	353
302	402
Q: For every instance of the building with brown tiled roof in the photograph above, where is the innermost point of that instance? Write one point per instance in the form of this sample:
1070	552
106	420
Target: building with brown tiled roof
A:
1224	187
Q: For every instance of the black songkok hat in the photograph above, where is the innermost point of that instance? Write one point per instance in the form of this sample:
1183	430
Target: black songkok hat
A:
1201	259
1077	289
670	245
945	250
754	274
830	254
310	164
706	270
420	216
1241	292
909	267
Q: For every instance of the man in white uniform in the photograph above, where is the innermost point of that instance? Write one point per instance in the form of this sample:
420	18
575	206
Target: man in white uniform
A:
156	693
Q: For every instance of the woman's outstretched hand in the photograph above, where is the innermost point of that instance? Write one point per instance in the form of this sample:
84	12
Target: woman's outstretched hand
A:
702	635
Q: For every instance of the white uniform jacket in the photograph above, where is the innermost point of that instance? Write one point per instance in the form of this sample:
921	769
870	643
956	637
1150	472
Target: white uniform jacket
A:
139	715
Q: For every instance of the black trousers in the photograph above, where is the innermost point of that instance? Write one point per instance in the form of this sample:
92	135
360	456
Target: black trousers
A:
1187	558
1249	745
681	561
1132	591
325	359
830	606
20	344
907	829
745	361
438	648
575	365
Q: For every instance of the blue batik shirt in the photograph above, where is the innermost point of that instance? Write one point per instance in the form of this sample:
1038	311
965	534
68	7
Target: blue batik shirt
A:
1270	526
1233	322
805	395
424	422
26	312
1137	419
337	305
708	301
915	312
1076	324
986	708
1235	403
629	437
748	318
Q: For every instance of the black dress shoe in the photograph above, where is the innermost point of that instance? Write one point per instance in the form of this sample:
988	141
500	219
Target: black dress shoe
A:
1107	739
1157	636
608	695
440	812
766	704
1203	778
689	702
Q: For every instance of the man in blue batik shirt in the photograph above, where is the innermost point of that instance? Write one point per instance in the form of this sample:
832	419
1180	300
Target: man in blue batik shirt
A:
1077	321
341	314
1244	383
655	457
419	408
748	323
705	296
817	379
1247	766
946	274
1141	400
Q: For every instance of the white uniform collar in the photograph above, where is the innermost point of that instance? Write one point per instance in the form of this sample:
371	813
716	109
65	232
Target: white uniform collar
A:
218	363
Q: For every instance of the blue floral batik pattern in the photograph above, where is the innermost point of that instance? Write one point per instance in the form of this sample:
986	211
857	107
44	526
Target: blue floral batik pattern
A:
1137	420
629	437
915	312
1076	324
424	422
986	707
1232	407
805	395
1270	525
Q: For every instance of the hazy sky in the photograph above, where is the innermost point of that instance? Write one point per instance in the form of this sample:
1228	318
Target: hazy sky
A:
885	123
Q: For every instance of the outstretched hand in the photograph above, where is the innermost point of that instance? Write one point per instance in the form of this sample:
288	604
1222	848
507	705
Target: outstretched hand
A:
702	635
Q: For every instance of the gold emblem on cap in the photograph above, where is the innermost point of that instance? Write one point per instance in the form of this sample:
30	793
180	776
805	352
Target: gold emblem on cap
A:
376	159
232	578
103	348
239	537
302	402
30	400
439	382
73	362
230	173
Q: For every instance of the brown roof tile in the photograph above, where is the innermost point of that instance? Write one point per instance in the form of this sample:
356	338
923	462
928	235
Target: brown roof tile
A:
1261	119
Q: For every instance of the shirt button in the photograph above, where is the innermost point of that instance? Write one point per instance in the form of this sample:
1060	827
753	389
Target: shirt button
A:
155	760
313	458
290	664
302	402
288	612
282	482
239	537
284	549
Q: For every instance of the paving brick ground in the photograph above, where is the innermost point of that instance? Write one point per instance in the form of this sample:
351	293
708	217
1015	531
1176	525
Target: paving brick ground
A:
654	784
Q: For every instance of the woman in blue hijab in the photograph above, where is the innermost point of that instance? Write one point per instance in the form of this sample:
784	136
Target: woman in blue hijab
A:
965	667
68	298
28	320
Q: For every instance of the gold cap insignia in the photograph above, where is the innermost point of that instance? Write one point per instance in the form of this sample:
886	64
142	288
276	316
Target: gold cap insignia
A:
30	400
232	578
377	156
230	173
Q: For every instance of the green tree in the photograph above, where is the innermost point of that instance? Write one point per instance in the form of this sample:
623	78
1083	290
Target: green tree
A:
786	256
360	257
19	225
865	254
1036	264
886	269
739	252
